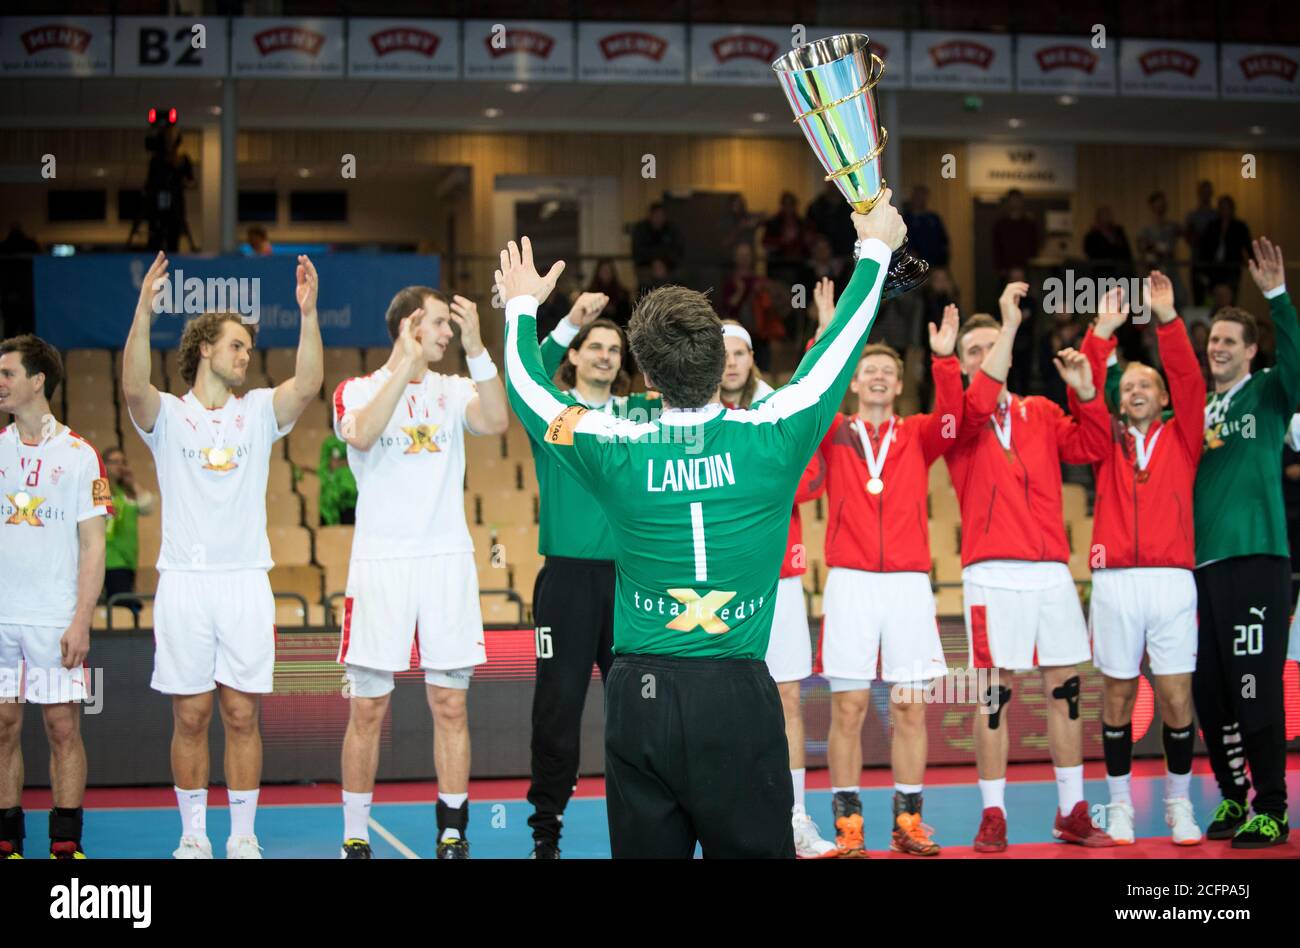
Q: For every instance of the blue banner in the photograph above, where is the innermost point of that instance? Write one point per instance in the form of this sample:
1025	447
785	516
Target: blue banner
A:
87	302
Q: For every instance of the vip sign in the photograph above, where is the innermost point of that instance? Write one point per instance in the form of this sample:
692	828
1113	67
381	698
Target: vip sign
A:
274	47
171	46
889	45
403	49
55	46
519	50
1265	73
1027	167
1163	68
737	55
631	52
1064	64
964	62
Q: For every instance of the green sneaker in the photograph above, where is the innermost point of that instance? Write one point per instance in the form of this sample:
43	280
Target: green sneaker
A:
1228	818
1262	831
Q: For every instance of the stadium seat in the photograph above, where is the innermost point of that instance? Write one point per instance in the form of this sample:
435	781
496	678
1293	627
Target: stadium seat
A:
304	580
290	546
508	507
308	488
497	478
943	536
87	362
483	542
498	610
375	357
517	444
123	618
947	567
481	452
948	602
472	509
944	504
1074	498
289	613
528	476
280	477
1080	567
305	442
1081	534
315	416
284	509
281	363
939	476
341	364
523	576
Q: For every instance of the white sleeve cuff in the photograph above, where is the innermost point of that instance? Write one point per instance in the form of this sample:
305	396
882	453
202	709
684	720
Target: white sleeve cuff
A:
521	306
1113	358
481	367
1276	291
565	332
873	249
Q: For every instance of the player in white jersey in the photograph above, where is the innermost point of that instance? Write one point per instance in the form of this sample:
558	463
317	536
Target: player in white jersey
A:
412	576
214	615
54	497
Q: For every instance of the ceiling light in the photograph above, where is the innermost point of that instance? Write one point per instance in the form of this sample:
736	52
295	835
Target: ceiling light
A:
1014	123
304	172
492	113
1257	130
758	116
518	87
1066	99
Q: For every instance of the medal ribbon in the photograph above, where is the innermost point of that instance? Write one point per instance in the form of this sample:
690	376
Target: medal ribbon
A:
875	464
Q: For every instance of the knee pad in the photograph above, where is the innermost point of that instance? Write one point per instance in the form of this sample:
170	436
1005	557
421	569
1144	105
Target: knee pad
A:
1069	692
996	707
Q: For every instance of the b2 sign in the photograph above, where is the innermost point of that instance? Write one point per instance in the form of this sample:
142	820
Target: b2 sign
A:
171	46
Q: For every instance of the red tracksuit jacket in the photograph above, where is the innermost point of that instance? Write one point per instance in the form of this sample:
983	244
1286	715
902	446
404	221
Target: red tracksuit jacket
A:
888	532
1147	520
1011	500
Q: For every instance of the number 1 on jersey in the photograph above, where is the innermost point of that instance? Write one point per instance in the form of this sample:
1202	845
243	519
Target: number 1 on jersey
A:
697	536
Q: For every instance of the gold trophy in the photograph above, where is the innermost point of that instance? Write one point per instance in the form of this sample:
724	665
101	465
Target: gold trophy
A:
830	84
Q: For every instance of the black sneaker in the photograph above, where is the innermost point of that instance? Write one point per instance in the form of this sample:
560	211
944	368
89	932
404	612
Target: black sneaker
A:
544	849
1228	818
1263	830
356	849
847	811
66	849
453	849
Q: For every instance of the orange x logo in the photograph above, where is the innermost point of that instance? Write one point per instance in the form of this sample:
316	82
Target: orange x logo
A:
25	513
422	439
700	610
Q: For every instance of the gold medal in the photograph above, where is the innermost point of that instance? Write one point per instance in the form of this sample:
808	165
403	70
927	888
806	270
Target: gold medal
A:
22	499
875	485
217	457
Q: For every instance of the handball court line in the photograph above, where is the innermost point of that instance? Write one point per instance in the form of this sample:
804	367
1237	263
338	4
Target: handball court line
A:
392	840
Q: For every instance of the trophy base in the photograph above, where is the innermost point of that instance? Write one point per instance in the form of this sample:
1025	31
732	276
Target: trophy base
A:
906	272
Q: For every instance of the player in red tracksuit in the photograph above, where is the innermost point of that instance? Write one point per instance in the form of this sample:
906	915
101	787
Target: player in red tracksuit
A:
1022	610
789	651
879	608
1143	553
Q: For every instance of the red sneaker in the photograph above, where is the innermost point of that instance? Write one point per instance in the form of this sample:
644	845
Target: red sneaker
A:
1078	828
992	837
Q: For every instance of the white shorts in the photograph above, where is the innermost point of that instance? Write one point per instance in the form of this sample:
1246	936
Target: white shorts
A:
879	619
213	628
31	666
789	650
429	600
371	683
1149	608
1020	629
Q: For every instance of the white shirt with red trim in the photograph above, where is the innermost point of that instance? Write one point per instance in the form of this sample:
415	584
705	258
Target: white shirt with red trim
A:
410	484
213	465
46	490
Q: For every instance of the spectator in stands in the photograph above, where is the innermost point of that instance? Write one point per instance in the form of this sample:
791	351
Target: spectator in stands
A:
1157	243
121	536
1015	236
1225	246
786	239
824	264
744	300
743	224
338	486
661	274
1066	332
259	242
926	235
655	237
1106	245
18	242
826	217
605	280
1194	226
1200	335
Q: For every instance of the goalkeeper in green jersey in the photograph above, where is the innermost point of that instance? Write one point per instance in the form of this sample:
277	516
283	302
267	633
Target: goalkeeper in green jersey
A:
698	503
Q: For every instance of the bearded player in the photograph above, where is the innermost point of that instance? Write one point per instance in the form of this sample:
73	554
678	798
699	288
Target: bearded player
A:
214	614
1022	610
412	575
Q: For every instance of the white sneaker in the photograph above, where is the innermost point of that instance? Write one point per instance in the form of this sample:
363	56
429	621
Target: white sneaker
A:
808	842
243	847
192	847
1119	823
1182	822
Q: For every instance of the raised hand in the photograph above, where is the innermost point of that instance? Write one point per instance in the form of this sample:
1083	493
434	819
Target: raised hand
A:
308	285
824	301
518	275
148	286
464	313
586	308
407	347
1076	371
1160	296
943	338
1009	304
1266	266
883	223
1112	311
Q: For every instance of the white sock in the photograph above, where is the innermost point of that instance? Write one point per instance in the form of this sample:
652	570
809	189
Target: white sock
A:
1120	788
796	777
356	815
193	805
1177	786
455	801
243	811
1069	787
908	787
844	789
993	793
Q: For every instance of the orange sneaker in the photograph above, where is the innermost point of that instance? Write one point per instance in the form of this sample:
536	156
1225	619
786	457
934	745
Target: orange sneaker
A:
849	839
912	836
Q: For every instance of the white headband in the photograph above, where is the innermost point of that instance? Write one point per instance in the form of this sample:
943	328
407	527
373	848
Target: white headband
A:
729	329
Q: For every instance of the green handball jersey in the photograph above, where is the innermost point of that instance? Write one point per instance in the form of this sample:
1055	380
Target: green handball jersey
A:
697	500
1238	499
571	525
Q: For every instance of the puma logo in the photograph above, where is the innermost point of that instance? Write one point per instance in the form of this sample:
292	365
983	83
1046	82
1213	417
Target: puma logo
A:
1258	611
